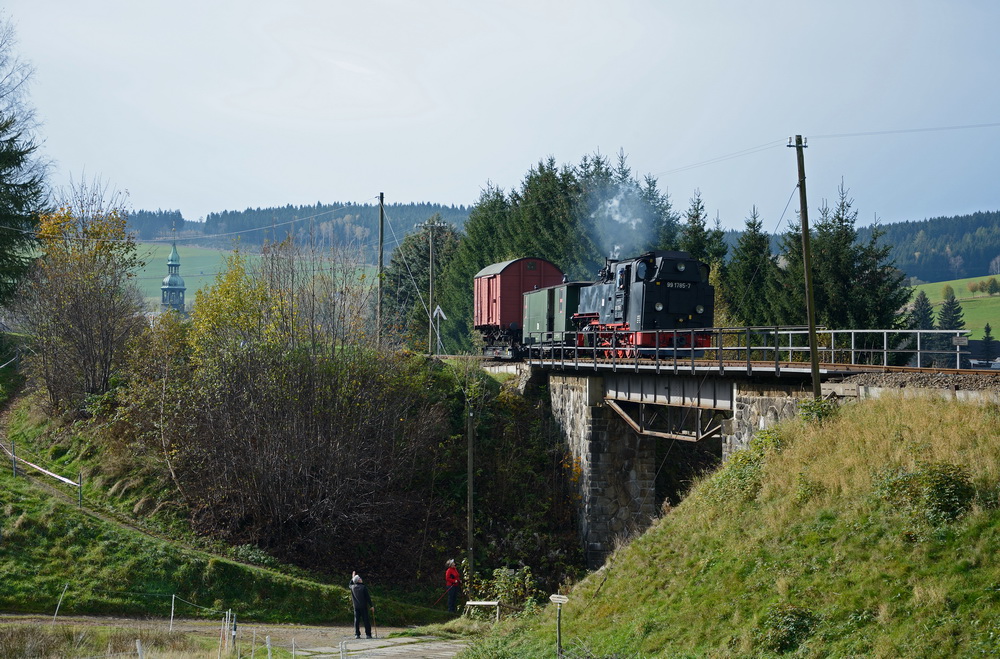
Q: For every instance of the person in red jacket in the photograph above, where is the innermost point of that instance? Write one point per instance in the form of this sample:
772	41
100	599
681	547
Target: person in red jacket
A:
451	580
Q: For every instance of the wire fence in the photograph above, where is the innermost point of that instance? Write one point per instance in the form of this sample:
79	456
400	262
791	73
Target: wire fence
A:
229	631
232	641
16	459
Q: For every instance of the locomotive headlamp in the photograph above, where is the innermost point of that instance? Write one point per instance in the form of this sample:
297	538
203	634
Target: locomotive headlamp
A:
699	309
658	306
681	266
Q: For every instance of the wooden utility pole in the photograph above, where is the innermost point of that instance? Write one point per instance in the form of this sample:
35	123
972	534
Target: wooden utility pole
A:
381	241
470	430
800	145
430	225
430	291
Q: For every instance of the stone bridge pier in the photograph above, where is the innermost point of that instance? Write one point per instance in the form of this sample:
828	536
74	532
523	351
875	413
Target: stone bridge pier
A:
616	467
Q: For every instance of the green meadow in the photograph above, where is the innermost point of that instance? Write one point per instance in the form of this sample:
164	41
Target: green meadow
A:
198	268
200	265
978	308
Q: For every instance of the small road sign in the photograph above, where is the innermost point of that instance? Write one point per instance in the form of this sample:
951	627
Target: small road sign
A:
558	599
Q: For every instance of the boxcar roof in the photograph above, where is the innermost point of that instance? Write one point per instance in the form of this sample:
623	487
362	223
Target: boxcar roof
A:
497	268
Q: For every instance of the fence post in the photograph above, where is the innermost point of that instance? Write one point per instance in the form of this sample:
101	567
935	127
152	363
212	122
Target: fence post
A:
138	647
173	601
268	640
13	458
81	488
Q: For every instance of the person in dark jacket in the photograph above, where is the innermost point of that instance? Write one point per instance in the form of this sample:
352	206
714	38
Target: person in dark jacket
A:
451	581
362	604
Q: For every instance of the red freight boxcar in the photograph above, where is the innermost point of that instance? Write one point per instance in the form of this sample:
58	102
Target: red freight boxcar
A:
498	302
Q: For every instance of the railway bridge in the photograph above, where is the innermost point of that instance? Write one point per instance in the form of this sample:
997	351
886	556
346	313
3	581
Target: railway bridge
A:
615	406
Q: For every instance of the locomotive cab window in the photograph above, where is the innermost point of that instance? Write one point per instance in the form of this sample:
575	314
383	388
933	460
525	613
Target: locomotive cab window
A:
640	270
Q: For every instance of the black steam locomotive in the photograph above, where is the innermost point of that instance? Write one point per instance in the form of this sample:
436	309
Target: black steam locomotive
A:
646	305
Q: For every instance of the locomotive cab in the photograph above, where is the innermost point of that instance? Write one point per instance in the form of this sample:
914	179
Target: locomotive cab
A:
658	290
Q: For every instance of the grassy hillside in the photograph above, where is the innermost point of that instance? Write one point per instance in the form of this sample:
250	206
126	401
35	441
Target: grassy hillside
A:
125	553
873	534
978	309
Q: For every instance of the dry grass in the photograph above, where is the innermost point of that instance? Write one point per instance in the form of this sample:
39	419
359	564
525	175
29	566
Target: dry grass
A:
889	432
802	544
45	641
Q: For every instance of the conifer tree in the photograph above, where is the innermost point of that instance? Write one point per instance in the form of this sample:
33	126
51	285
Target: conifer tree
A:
750	275
567	215
406	280
950	317
486	241
694	235
22	173
989	343
856	285
922	318
922	314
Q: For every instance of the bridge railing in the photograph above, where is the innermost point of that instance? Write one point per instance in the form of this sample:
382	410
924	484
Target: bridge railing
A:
697	347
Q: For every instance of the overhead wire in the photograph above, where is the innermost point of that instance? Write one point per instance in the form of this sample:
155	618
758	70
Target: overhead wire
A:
901	131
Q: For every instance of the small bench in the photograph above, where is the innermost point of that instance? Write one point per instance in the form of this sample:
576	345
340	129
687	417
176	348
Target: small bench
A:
494	603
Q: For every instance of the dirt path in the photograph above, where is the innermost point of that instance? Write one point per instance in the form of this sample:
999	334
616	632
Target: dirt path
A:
309	641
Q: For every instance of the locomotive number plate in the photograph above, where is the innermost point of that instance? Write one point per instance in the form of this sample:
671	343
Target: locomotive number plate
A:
678	284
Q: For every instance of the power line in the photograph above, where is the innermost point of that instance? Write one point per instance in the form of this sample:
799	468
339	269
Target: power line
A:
901	131
730	156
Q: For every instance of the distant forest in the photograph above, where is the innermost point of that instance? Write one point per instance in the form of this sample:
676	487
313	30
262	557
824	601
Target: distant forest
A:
328	225
944	248
935	249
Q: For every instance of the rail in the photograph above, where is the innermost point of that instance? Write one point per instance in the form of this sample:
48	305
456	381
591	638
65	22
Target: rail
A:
697	347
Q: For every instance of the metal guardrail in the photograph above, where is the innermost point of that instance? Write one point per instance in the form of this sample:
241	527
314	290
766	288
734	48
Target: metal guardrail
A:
673	349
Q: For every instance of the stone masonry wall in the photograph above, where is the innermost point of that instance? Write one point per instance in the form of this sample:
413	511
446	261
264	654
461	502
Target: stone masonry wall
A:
616	467
759	406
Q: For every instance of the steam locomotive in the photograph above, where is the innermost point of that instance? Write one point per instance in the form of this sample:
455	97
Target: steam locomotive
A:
641	306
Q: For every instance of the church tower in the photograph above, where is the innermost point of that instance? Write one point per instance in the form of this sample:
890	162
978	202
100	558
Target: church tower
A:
172	290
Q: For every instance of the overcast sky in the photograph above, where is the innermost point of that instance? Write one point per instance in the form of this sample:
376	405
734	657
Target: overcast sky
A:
211	105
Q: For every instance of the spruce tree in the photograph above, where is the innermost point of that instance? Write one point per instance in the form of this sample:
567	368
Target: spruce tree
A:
855	285
989	343
22	173
694	235
922	314
21	200
949	318
922	318
750	276
950	315
486	241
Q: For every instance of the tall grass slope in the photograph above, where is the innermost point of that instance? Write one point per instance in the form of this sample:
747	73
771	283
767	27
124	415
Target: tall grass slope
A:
872	533
54	554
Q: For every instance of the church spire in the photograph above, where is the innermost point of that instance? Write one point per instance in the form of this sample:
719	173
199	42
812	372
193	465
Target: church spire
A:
173	288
